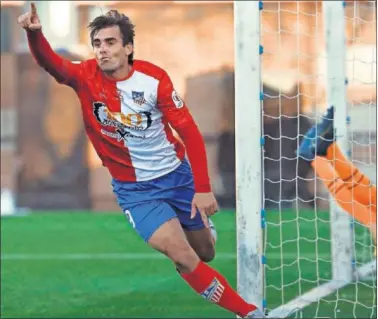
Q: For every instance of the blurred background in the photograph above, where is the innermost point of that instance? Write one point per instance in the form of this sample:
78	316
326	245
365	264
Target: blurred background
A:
47	161
89	262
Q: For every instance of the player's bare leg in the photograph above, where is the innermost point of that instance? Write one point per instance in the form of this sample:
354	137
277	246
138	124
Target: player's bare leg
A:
203	243
171	240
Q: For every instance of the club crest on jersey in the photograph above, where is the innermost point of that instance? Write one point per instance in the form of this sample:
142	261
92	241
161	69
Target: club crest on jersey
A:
138	97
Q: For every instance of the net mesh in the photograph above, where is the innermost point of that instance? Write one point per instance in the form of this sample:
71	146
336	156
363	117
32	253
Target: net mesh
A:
297	234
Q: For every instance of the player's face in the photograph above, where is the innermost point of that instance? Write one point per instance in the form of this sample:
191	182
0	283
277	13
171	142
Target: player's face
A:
108	47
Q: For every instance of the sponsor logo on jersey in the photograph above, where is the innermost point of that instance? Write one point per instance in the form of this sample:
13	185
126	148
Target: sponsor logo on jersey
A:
123	123
177	100
119	135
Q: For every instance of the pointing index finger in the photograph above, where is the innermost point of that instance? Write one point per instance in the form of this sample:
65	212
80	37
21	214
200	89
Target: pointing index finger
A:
33	8
204	218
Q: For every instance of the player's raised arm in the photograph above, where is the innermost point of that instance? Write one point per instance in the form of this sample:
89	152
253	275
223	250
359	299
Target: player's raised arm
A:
62	70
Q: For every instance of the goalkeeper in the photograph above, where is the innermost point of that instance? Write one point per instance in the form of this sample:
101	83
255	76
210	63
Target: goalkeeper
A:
352	190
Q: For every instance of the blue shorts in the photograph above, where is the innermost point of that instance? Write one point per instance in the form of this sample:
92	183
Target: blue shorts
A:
149	204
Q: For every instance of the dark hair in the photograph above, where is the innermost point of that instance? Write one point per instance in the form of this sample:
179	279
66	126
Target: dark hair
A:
113	18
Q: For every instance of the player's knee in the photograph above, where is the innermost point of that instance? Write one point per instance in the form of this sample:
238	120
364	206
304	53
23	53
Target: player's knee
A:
185	259
206	253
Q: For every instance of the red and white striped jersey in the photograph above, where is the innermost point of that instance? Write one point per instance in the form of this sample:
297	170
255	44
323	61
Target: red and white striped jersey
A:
130	121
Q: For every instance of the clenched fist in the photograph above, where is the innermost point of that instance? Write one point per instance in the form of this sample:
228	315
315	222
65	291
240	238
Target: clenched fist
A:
30	20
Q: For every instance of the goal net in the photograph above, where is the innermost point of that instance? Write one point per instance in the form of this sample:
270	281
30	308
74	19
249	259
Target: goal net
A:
299	253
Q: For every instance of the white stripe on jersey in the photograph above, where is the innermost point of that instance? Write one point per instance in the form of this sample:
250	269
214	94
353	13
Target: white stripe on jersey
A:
151	153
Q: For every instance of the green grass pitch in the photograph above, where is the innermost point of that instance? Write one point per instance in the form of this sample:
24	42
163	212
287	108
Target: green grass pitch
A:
86	265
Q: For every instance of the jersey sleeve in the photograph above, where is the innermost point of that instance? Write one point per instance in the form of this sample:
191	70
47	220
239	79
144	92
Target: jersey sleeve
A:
180	119
64	71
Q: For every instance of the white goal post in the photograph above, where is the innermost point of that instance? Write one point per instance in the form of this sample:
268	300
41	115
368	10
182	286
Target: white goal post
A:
335	39
248	151
251	216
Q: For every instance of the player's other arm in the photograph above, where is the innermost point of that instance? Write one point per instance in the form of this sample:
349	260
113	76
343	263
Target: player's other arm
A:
62	70
180	119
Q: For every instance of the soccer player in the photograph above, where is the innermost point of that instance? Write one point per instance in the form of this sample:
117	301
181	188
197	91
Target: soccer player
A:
353	191
129	107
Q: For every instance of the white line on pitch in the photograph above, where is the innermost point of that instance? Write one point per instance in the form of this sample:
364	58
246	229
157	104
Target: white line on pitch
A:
143	256
84	256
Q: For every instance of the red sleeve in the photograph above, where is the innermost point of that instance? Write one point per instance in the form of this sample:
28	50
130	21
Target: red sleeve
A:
180	119
62	70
